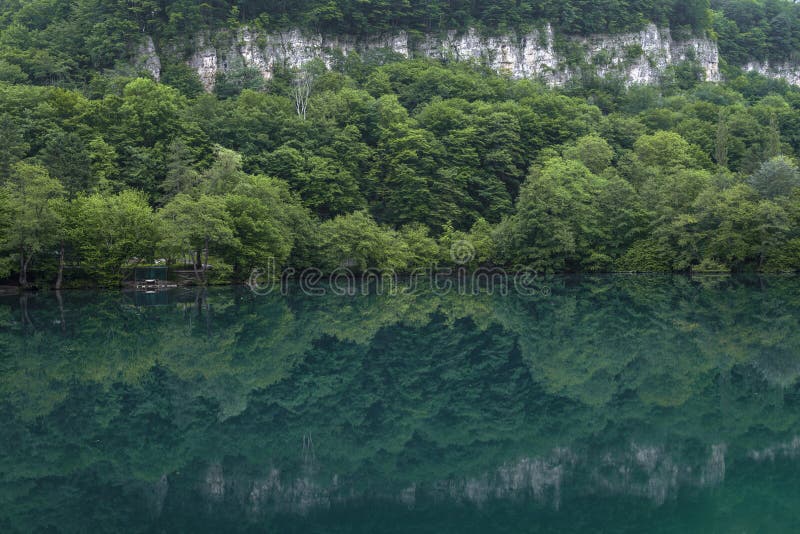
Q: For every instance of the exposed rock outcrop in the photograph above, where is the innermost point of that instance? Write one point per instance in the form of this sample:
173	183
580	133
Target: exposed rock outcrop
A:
640	57
786	71
636	58
146	58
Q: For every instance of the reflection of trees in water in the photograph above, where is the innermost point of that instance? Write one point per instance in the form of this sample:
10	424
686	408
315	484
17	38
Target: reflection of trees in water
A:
464	397
617	328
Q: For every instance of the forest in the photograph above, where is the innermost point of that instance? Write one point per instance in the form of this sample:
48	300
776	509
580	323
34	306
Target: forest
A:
383	162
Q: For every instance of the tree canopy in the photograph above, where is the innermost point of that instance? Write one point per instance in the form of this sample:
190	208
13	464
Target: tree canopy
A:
103	168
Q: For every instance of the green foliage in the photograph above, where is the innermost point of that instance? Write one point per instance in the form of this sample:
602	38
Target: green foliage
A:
355	241
776	177
268	223
739	227
756	30
67	158
11	73
112	233
665	150
593	151
234	82
414	155
6	212
646	256
32	218
182	77
556	224
196	227
423	250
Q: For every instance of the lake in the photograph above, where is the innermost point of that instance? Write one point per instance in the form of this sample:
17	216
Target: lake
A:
608	403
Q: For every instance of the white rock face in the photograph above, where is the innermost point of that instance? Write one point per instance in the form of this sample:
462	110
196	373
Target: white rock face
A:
147	59
786	71
204	61
659	52
634	57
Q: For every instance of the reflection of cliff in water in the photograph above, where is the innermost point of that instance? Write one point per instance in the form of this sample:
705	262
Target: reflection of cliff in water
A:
613	387
648	472
789	449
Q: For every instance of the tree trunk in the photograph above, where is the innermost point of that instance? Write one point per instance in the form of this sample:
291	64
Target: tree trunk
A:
60	277
195	261
27	262
205	262
23	276
23	267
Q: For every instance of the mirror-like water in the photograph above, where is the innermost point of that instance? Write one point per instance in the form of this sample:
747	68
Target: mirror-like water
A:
615	403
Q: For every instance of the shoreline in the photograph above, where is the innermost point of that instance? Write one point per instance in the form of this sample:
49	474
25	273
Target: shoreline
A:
11	290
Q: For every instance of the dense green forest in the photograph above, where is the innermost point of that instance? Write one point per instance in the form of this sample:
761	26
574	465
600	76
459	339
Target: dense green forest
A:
383	162
757	30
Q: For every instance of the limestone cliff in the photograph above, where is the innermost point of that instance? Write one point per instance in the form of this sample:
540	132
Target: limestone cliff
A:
636	58
786	71
146	58
640	57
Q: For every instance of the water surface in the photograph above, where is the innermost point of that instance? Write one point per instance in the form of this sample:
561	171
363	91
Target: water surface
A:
661	404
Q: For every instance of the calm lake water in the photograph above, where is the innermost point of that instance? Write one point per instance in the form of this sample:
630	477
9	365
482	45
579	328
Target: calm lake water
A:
658	404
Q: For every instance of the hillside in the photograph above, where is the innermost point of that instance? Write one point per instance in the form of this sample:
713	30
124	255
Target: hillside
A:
130	138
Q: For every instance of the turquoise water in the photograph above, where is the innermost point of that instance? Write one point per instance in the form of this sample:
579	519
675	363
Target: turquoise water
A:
658	404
